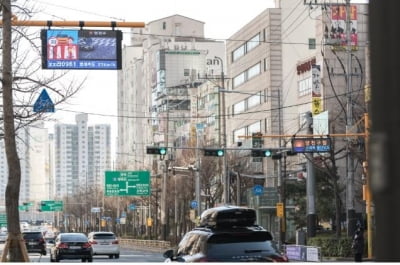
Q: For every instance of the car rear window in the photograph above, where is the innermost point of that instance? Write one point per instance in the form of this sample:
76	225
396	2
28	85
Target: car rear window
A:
104	236
73	238
32	235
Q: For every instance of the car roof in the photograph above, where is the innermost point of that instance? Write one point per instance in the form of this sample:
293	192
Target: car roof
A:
99	232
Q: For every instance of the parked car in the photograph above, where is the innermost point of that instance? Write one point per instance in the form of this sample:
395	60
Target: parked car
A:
34	242
104	243
3	237
71	246
227	234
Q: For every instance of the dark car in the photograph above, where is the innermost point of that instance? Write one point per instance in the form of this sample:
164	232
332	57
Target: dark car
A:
34	242
227	234
71	246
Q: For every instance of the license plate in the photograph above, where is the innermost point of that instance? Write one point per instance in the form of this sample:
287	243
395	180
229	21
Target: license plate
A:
74	247
31	243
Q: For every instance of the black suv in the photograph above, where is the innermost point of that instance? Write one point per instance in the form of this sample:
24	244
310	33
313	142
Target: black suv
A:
35	242
227	234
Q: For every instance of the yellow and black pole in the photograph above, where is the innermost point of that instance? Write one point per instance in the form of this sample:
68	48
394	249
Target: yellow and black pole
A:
366	190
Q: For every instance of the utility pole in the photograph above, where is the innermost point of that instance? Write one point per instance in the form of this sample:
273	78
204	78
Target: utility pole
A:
351	213
164	210
310	188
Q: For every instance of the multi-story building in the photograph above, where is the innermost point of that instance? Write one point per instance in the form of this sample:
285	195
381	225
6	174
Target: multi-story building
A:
170	58
35	154
82	154
295	62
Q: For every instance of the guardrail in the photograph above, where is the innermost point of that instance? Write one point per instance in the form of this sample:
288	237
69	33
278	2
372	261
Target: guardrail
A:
154	244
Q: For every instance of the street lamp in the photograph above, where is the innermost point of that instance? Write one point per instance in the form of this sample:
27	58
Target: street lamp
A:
222	133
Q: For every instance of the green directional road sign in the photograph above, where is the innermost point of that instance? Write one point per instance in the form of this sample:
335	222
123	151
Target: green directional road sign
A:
127	183
51	206
3	220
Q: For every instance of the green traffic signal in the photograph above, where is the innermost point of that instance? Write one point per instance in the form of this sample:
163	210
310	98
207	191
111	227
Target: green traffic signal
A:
261	152
267	153
214	152
162	150
155	150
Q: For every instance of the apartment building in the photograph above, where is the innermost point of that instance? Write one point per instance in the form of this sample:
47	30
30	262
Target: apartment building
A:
82	154
33	150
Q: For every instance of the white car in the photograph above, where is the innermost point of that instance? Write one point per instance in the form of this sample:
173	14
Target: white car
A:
104	243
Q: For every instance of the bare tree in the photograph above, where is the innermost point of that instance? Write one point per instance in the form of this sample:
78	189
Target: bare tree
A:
21	79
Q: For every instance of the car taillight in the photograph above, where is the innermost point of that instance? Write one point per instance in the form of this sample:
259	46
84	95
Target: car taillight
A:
93	242
87	245
279	259
115	242
63	245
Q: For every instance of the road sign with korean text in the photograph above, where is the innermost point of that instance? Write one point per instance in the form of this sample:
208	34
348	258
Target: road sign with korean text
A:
127	183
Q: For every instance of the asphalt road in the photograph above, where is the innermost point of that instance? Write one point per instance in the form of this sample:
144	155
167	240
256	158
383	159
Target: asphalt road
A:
128	255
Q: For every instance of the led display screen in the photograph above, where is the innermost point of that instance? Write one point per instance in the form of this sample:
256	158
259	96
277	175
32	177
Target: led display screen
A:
81	49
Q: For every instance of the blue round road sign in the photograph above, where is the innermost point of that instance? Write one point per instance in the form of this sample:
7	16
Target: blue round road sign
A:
193	204
258	190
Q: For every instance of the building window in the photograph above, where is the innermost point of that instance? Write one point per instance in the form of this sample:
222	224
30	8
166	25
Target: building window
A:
254	128
246	75
237	133
254	100
238	80
239	107
253	42
239	52
164	25
253	71
246	47
305	87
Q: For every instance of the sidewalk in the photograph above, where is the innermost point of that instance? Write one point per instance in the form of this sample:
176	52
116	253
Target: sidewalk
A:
344	259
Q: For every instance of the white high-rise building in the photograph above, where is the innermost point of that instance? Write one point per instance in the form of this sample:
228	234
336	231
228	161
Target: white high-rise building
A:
33	146
82	154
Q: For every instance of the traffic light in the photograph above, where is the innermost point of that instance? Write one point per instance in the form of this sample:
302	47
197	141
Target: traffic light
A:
213	152
156	150
261	153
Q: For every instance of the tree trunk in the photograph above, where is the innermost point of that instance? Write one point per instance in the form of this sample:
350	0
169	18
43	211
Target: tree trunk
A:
14	245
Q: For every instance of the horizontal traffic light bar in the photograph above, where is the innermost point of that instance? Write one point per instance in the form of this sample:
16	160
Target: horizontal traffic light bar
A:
214	152
261	152
156	150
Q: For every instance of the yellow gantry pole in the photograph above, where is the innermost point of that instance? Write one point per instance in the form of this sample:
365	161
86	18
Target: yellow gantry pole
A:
50	23
367	189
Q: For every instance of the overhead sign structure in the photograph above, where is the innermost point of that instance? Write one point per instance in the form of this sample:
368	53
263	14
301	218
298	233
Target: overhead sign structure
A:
127	183
43	103
311	145
81	49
